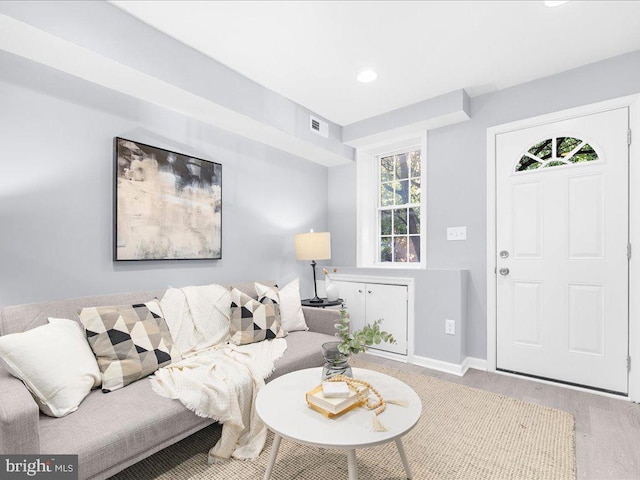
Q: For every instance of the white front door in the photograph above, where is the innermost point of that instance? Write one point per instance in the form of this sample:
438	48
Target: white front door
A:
561	238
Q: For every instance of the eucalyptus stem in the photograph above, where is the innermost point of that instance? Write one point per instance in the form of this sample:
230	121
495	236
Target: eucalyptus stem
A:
358	341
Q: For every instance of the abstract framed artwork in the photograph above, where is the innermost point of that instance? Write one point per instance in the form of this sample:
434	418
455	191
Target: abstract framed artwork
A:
167	206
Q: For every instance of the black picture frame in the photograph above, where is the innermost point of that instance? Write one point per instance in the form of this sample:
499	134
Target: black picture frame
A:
166	205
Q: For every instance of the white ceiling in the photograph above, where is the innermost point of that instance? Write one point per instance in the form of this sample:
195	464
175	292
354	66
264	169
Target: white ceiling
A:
311	51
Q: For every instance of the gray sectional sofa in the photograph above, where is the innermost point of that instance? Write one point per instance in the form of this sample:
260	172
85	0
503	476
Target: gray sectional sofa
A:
111	431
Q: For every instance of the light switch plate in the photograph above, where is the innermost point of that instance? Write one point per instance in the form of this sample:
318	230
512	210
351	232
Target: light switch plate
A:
456	233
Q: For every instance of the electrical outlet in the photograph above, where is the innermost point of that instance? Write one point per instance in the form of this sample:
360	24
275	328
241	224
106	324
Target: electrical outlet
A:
456	233
450	327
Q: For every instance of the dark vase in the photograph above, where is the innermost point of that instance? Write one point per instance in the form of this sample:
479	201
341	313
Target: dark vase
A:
336	363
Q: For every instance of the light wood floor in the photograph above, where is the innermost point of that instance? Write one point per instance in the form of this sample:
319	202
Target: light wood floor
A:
607	429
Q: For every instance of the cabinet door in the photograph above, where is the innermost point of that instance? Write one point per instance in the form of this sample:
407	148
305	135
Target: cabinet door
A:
354	302
388	302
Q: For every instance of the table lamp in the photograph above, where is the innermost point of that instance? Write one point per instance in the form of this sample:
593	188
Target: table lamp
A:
313	246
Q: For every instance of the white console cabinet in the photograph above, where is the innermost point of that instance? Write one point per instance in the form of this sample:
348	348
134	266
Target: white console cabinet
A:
378	298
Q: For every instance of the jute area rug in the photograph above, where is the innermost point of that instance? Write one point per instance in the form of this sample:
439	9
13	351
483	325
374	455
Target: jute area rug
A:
464	433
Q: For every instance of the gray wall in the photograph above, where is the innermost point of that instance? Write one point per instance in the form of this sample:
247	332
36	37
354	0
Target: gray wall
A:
56	189
456	183
113	33
56	185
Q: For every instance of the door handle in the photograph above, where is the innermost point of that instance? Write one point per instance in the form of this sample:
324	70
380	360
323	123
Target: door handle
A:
504	271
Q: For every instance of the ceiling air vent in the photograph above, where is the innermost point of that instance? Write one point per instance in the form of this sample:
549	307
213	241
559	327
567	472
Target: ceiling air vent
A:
318	126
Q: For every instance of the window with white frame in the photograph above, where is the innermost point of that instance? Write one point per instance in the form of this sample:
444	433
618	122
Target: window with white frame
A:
399	207
391	205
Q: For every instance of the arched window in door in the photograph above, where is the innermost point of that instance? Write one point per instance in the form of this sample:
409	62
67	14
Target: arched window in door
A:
555	152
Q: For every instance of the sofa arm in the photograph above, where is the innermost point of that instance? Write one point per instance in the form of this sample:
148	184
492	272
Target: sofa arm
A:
321	320
19	417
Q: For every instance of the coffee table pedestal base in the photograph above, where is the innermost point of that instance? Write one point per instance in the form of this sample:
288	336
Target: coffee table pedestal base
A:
351	459
353	464
272	457
403	457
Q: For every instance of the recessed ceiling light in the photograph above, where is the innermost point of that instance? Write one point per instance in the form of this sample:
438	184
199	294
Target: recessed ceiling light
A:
367	76
555	3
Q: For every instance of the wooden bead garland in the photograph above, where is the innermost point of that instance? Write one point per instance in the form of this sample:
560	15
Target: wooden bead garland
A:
377	407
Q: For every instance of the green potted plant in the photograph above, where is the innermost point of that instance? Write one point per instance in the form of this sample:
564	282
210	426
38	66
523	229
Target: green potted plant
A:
337	353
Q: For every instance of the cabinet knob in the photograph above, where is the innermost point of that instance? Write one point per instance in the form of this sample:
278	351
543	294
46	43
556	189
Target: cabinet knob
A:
359	291
369	291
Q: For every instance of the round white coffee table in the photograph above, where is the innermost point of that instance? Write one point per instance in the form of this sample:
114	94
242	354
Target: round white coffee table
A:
281	405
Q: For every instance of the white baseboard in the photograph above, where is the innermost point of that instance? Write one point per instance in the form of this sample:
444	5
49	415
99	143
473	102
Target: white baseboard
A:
439	365
390	355
475	363
452	368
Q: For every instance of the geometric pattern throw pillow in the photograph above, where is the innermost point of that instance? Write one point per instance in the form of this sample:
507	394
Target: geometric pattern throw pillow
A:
130	342
252	321
266	293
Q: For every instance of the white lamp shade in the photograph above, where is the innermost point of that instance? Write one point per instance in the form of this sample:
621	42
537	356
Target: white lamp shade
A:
313	246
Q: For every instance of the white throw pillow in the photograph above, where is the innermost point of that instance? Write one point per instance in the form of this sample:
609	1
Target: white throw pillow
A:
55	363
288	297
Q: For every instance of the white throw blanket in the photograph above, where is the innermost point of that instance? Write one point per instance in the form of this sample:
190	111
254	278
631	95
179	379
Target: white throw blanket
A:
197	317
216	381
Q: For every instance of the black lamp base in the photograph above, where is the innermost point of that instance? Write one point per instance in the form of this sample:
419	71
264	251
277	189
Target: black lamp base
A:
316	298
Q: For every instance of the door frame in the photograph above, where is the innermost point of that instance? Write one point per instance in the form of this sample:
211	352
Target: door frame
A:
633	102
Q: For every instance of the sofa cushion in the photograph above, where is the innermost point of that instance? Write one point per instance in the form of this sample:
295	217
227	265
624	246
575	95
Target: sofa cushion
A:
304	350
118	429
252	321
111	432
129	341
55	363
288	297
